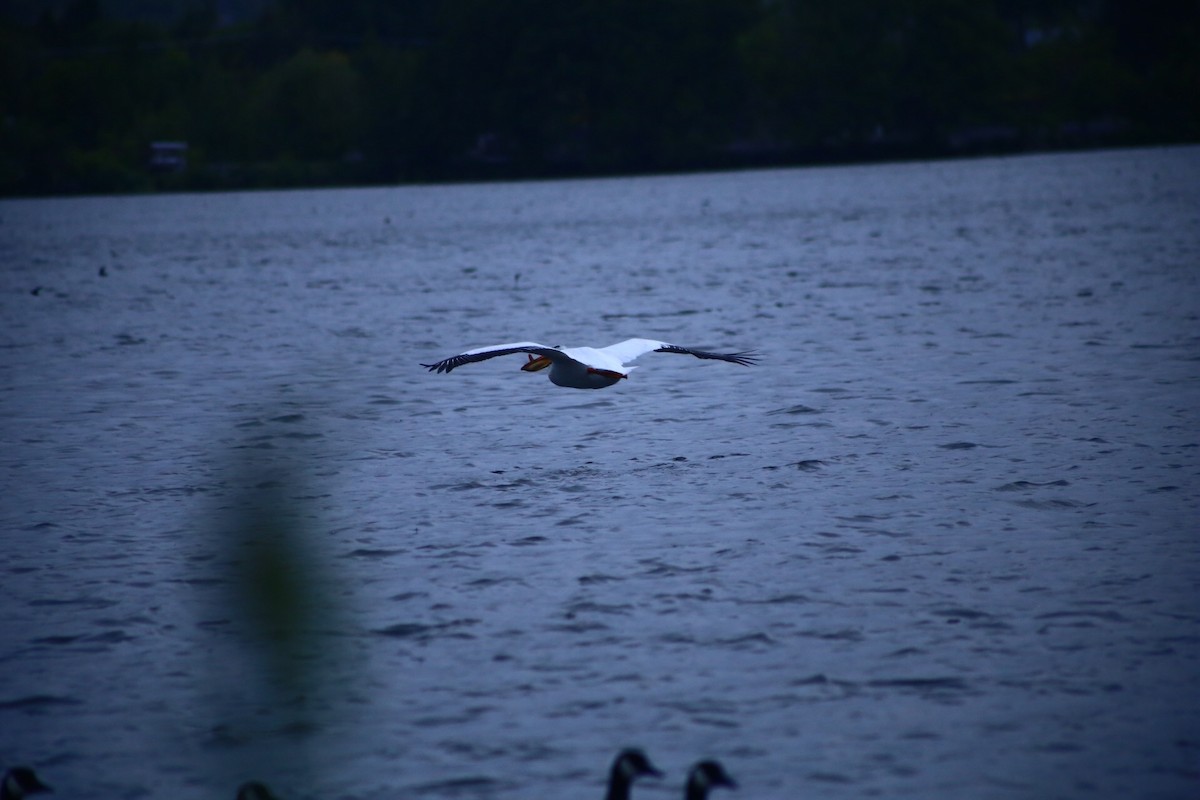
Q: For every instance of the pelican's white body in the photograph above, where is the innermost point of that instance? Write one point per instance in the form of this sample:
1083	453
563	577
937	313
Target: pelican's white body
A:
586	368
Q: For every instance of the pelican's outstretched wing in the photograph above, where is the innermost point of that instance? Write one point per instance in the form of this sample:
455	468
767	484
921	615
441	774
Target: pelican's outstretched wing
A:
630	349
491	351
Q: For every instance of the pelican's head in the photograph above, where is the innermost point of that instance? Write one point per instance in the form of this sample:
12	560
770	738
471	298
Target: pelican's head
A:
536	363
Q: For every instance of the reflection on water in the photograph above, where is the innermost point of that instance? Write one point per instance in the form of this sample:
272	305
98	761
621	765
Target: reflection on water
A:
939	543
278	674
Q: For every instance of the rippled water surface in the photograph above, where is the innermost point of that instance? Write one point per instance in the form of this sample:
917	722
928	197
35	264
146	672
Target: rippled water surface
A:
943	542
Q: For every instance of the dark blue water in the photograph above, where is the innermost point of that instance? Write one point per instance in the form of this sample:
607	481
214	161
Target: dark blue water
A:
941	543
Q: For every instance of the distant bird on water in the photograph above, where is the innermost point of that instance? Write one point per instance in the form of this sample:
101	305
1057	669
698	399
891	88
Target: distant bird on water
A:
584	367
704	776
628	766
253	790
20	782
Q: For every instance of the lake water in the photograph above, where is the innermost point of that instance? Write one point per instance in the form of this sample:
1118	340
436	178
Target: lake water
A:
943	542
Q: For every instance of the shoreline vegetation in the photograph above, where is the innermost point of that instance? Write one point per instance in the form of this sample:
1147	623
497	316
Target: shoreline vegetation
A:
106	96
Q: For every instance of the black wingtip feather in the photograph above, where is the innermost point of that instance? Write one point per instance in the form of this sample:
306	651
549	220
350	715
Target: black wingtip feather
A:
746	358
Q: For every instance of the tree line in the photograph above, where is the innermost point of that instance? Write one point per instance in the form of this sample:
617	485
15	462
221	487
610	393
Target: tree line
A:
308	92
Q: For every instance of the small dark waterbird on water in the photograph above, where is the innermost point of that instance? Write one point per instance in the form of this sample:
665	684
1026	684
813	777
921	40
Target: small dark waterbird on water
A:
632	764
628	766
584	367
255	790
20	782
706	775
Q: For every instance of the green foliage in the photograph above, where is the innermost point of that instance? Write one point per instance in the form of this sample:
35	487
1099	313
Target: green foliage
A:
386	90
594	84
307	108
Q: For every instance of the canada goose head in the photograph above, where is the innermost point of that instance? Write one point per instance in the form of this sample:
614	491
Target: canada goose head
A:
19	782
629	765
253	790
704	776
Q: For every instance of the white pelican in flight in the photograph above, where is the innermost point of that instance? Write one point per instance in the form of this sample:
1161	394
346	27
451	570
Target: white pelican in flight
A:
583	367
